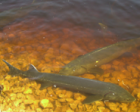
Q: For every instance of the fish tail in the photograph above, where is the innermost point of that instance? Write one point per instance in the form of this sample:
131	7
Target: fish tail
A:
12	70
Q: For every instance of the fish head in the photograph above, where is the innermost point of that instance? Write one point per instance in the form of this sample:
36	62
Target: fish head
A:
72	70
120	95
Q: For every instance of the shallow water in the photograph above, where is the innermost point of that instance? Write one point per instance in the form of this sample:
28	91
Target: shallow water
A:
50	34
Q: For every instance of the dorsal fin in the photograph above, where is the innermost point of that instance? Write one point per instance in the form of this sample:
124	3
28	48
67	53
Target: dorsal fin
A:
32	68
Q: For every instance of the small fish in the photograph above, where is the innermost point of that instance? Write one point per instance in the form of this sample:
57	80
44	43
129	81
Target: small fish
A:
95	90
103	26
90	62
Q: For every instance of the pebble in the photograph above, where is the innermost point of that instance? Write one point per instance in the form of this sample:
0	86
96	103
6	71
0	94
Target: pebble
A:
28	91
28	102
17	102
45	103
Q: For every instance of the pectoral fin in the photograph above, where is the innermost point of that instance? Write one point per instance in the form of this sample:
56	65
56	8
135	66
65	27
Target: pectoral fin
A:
45	85
96	71
92	98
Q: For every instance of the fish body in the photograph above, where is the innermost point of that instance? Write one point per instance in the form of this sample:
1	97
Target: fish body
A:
90	62
96	90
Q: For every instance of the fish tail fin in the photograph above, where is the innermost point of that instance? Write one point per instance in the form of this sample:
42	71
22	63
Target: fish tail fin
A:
12	70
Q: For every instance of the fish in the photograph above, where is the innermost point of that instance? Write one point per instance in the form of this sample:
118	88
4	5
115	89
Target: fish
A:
94	90
90	62
103	26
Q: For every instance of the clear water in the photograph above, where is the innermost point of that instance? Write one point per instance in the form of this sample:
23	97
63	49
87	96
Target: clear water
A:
49	34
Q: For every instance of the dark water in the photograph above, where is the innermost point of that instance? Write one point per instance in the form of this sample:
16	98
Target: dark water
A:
120	16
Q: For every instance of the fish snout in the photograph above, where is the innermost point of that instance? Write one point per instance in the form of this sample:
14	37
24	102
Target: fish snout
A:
131	99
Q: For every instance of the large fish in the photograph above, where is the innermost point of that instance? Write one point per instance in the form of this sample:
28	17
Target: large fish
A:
90	62
96	90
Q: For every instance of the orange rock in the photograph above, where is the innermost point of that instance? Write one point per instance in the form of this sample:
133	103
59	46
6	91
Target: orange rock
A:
138	95
58	104
126	83
17	102
136	91
65	46
56	45
99	103
69	100
106	75
11	35
58	91
1	56
130	68
98	76
57	109
91	44
62	100
108	66
73	105
28	48
134	81
115	67
30	97
124	106
101	109
128	74
65	107
1	36
77	96
47	59
28	102
76	49
135	74
113	106
69	94
114	80
44	103
49	55
133	105
122	76
40	48
116	62
138	66
61	95
13	96
38	110
50	50
107	80
116	73
56	52
28	91
16	49
88	76
101	78
104	67
132	110
20	96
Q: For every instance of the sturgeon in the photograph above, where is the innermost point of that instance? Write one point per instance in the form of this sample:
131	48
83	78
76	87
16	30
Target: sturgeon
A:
95	90
90	62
